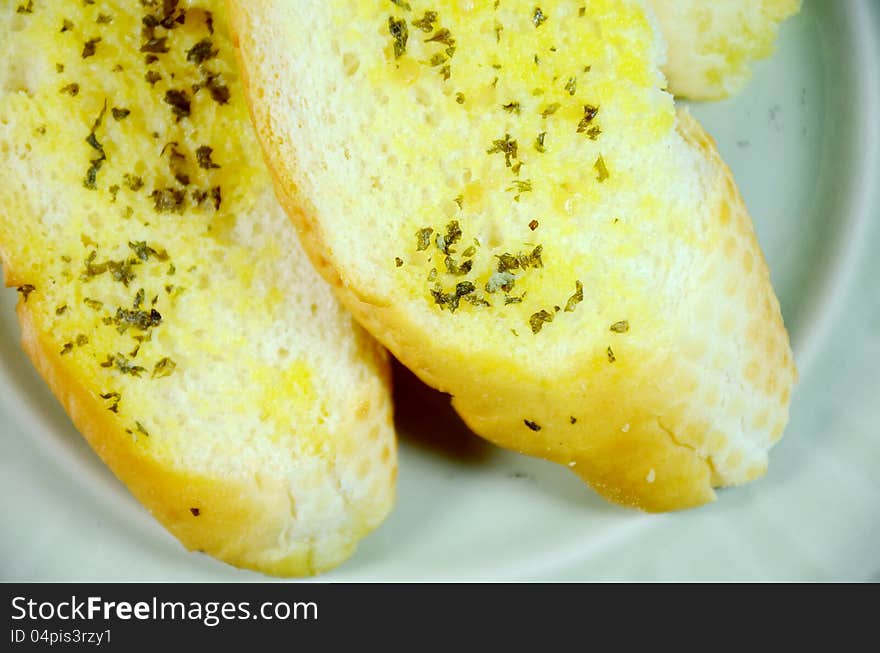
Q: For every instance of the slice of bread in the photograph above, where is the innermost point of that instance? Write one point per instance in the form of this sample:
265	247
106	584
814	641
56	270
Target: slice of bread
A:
505	197
712	45
165	297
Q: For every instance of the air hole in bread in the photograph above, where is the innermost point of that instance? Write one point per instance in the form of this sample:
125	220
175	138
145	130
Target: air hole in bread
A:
493	235
16	80
422	96
196	19
94	220
350	63
17	23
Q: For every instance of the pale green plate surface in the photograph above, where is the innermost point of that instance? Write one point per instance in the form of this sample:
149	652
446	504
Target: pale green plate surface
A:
804	143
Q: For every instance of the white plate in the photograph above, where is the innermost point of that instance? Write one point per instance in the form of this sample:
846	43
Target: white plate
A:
804	143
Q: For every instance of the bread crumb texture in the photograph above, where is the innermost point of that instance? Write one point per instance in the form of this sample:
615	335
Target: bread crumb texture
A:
165	297
504	196
712	45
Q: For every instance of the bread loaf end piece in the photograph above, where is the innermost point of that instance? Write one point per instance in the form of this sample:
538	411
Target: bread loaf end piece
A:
713	45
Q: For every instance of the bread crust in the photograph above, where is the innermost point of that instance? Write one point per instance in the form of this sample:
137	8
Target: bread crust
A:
627	442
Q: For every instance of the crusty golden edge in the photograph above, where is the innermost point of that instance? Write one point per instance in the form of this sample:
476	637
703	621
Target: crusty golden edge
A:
645	467
240	523
684	83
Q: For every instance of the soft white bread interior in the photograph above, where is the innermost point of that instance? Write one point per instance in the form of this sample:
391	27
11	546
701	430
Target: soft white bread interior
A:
164	294
505	197
713	44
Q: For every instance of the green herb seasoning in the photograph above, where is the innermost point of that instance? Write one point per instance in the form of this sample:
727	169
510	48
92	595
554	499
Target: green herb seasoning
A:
620	327
424	238
95	164
601	169
539	319
533	259
203	155
25	290
506	146
132	182
179	102
501	281
550	109
539	142
576	298
443	36
156	45
538	17
201	52
90	47
163	368
168	199
451	300
456	269
590	113
115	397
144	251
399	35
426	22
123	365
521	186
445	241
220	93
139	319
